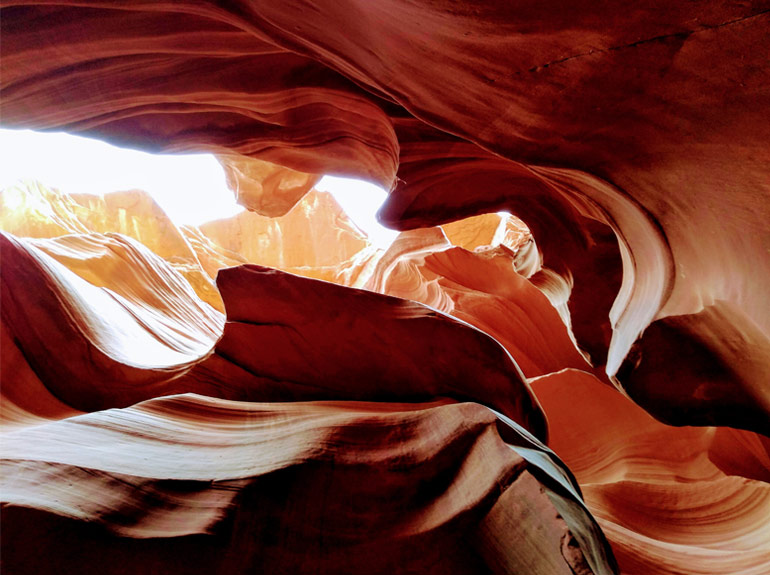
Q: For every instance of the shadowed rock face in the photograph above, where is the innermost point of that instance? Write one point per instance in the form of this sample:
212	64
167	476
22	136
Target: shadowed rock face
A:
633	143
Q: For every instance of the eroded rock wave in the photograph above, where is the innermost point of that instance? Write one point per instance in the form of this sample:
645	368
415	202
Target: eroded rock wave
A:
188	465
633	143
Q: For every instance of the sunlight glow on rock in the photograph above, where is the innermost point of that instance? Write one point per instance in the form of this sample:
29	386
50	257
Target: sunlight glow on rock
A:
190	188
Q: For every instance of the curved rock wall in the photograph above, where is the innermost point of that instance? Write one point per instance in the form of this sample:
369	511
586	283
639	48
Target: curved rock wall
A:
618	131
632	141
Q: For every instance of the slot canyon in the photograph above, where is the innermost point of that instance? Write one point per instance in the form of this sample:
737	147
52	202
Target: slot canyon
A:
561	365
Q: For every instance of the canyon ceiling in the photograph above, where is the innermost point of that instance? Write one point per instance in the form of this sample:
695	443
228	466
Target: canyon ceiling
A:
272	393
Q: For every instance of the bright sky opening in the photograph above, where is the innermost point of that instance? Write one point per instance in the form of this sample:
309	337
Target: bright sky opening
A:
190	188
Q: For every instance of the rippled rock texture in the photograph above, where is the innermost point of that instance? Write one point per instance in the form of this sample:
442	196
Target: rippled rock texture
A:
631	141
453	481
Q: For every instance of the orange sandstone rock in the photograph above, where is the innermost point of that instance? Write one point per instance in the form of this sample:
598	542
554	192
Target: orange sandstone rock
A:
632	143
265	188
670	500
484	289
314	239
189	466
488	230
33	210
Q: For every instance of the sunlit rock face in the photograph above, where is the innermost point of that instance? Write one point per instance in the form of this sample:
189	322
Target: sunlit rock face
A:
314	239
631	142
265	188
484	289
33	210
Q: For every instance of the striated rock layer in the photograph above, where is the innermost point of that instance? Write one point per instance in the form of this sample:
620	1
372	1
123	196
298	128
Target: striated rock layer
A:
575	118
239	486
294	339
671	500
454	477
30	209
633	144
314	239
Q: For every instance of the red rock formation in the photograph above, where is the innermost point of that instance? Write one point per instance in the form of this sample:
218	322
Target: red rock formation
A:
131	343
98	347
239	487
631	141
484	289
441	477
669	491
527	83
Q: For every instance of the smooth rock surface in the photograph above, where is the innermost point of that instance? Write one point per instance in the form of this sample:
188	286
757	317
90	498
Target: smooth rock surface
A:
632	141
